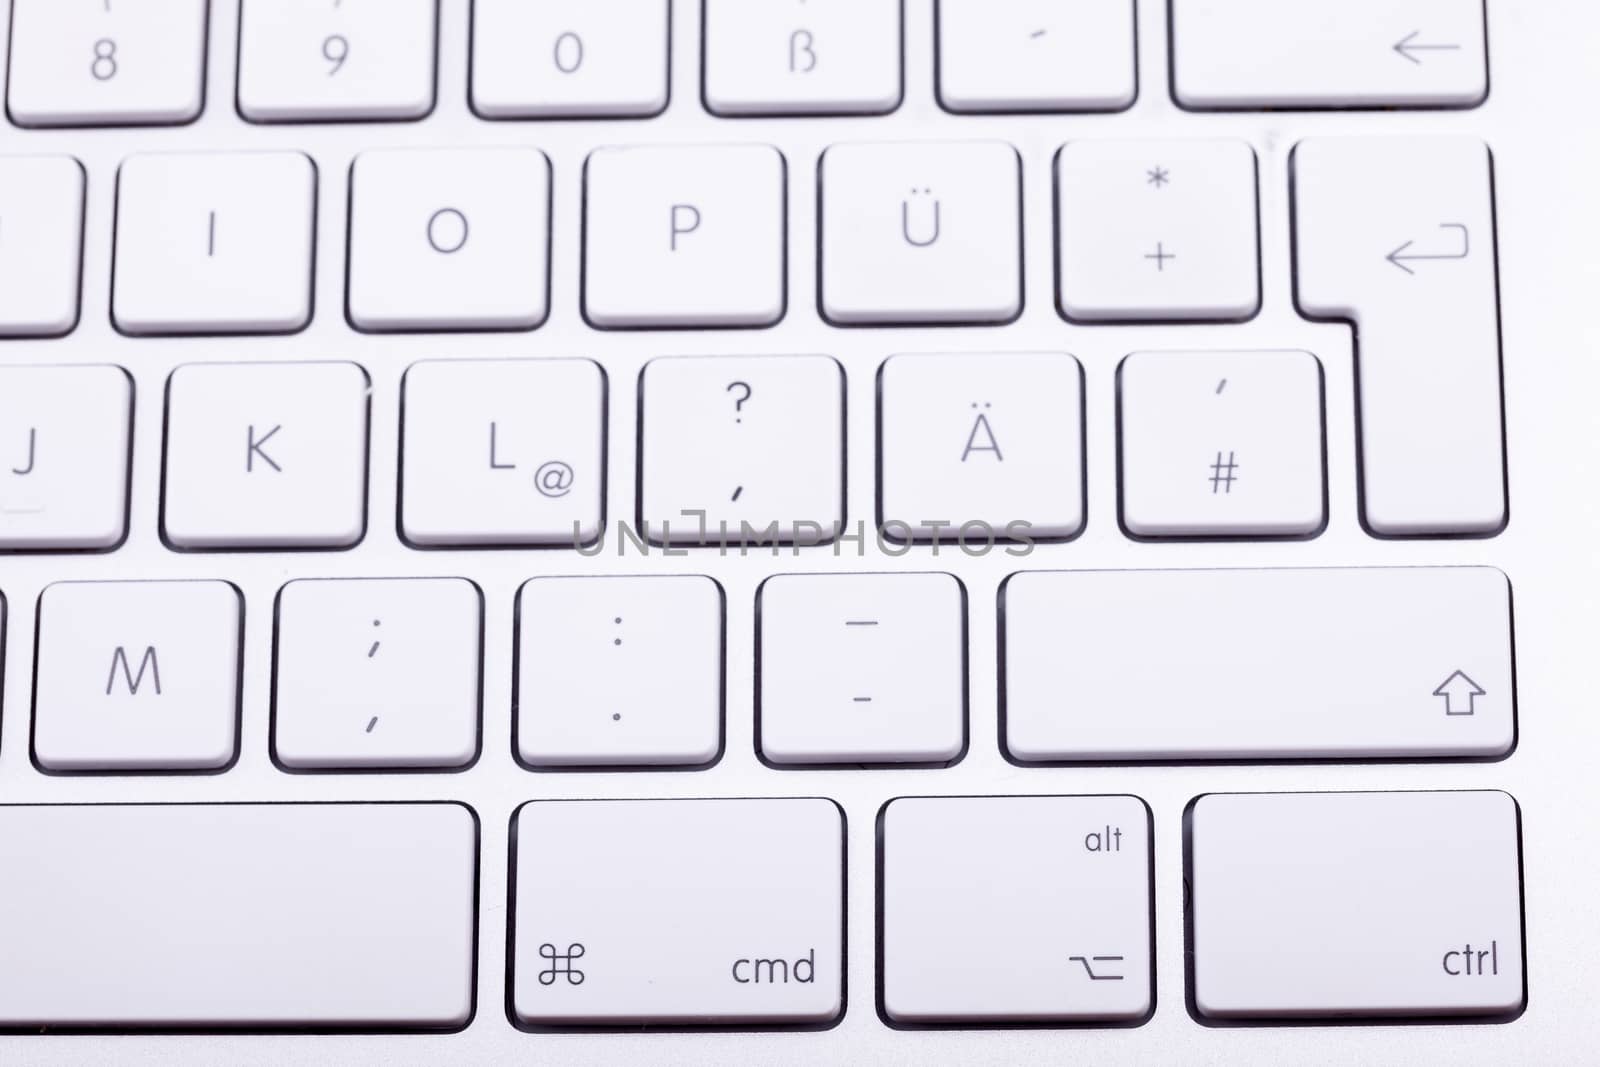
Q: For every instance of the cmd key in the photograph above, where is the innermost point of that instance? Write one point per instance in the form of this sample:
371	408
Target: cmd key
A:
677	912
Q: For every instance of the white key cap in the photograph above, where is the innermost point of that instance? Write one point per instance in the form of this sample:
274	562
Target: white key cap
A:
1323	905
1015	909
137	676
262	916
993	439
303	60
677	236
688	912
1399	662
921	233
266	455
1396	235
41	244
754	442
450	240
1162	230
569	58
894	690
1328	53
619	671
377	673
1220	444
64	450
822	57
1036	55
214	243
82	63
503	452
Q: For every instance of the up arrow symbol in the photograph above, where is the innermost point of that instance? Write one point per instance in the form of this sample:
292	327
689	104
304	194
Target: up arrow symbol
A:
1460	694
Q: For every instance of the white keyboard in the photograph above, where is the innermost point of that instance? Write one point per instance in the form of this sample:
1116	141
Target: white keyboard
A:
811	531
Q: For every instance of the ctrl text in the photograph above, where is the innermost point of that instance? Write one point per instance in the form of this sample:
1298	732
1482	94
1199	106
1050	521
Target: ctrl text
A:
802	969
1473	961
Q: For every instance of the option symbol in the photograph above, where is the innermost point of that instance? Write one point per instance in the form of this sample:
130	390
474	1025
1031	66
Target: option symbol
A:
1103	974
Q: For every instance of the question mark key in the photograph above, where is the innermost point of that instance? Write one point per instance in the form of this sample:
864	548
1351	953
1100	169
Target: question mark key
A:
778	473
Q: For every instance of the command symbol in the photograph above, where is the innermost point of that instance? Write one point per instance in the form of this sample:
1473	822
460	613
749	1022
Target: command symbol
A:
561	964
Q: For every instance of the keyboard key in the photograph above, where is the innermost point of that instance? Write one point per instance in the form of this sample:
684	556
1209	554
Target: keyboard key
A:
569	58
1036	55
1157	230
981	448
825	57
921	233
1396	235
619	671
266	455
107	64
137	676
450	239
682	912
41	244
742	449
65	435
377	673
214	243
1221	444
1343	905
1328	53
1015	909
252	916
1359	663
309	60
503	452
684	236
895	687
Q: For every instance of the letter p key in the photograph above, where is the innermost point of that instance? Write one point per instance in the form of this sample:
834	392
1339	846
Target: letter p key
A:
685	219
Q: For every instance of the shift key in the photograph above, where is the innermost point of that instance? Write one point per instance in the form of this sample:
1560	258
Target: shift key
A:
678	912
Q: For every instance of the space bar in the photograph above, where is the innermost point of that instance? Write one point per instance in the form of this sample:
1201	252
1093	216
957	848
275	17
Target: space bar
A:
237	916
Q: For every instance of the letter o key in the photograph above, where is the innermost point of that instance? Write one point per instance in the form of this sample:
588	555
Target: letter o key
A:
447	231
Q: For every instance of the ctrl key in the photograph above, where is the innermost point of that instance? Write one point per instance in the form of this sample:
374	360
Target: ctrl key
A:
677	913
1349	905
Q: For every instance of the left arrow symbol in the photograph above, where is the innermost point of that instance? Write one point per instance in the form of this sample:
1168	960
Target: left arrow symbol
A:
1406	47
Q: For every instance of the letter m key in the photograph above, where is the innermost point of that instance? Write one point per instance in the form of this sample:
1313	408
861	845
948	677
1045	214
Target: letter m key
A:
130	679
